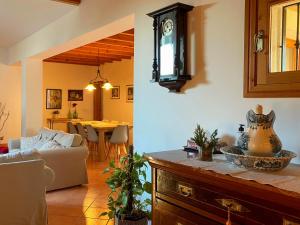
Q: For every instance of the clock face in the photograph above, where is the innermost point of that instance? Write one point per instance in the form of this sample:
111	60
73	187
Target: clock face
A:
167	27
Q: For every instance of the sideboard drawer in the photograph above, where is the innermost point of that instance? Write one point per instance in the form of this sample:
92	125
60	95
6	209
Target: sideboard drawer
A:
208	198
168	214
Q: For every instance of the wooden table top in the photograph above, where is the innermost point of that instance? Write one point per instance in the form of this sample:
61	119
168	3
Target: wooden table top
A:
64	120
104	124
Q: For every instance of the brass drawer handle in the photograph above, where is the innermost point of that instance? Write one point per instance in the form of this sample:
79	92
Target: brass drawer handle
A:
185	190
232	205
288	222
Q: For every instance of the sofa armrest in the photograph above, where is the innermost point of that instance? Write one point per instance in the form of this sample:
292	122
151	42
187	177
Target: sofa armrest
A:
14	144
49	176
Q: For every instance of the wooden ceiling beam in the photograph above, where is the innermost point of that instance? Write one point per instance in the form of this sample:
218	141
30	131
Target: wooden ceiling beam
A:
72	2
116	42
114	48
104	47
76	63
104	53
92	56
129	32
81	59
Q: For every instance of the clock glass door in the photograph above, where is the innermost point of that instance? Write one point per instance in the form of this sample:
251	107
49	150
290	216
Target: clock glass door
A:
167	58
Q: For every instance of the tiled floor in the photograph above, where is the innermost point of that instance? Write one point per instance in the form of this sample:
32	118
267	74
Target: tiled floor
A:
80	205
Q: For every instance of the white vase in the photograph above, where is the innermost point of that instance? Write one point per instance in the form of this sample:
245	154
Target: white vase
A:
261	137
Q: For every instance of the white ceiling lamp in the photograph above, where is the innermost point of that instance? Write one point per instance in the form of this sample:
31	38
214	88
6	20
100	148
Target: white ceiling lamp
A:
106	84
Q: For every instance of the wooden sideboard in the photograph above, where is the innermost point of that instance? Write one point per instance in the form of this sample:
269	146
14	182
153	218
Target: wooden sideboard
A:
187	195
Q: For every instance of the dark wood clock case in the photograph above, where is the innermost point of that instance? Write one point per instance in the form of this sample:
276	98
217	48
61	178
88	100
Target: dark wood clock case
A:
178	14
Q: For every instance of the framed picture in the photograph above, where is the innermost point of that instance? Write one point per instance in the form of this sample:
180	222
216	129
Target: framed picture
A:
129	93
53	98
75	95
115	92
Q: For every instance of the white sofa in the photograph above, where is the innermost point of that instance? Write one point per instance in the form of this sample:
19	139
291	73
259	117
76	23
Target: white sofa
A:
24	178
65	153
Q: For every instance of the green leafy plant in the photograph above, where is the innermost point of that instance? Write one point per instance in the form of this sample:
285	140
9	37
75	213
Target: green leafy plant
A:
128	184
202	140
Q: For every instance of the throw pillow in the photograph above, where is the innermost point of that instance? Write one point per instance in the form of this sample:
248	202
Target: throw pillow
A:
68	140
28	143
18	156
11	157
51	145
48	134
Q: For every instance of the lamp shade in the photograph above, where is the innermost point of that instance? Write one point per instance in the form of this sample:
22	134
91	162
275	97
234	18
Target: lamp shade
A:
90	87
107	85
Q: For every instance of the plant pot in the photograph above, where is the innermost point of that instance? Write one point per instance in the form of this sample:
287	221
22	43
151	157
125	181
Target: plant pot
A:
205	154
140	221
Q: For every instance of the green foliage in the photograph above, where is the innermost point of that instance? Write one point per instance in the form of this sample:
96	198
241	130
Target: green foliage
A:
201	139
128	184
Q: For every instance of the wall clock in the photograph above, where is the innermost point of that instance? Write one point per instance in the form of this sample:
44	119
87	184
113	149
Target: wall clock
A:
170	36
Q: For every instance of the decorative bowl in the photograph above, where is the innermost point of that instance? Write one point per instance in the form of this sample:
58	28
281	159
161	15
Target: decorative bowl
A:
279	161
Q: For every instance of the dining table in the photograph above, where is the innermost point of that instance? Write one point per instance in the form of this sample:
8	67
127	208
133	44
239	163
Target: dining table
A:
103	127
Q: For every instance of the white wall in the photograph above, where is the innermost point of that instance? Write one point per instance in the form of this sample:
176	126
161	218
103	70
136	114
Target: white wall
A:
213	98
65	77
32	99
10	94
119	74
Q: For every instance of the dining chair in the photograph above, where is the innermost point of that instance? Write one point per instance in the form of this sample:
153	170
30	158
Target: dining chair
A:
118	141
71	128
81	131
93	141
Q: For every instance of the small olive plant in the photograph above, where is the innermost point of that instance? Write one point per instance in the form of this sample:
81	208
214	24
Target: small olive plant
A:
128	184
202	140
4	115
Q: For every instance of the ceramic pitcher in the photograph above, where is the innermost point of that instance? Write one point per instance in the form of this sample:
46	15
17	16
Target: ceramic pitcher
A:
260	139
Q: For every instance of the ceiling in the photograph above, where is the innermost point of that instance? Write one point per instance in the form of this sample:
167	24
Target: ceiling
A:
113	48
20	18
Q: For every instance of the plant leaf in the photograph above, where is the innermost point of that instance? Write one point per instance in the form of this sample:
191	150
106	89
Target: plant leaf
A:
147	187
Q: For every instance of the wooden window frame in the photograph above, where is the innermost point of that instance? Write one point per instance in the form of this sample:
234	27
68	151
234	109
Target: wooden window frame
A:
258	81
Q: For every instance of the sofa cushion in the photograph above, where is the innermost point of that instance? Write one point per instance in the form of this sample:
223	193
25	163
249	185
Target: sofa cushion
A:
68	140
28	143
51	145
48	134
17	156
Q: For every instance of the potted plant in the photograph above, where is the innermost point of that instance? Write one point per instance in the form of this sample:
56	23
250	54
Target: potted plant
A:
206	144
3	118
128	185
55	114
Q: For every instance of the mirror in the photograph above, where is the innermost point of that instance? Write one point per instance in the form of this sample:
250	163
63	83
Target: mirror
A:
284	37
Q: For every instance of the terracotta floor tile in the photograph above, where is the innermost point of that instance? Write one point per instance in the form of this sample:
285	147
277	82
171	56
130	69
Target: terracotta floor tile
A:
94	213
90	221
66	211
83	204
62	220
